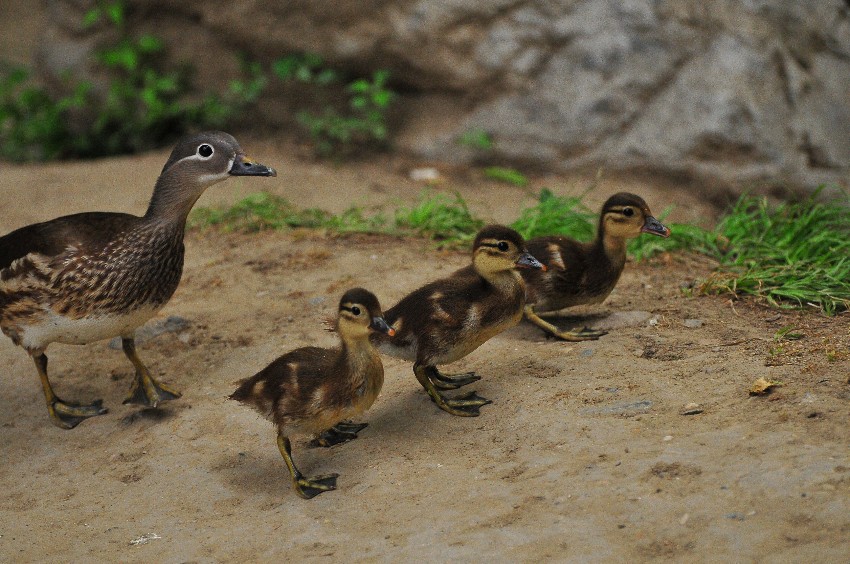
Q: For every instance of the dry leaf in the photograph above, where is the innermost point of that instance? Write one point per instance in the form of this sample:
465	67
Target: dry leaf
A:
763	386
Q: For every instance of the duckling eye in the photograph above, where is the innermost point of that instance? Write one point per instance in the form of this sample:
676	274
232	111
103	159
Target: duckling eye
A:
355	310
628	212
503	246
205	151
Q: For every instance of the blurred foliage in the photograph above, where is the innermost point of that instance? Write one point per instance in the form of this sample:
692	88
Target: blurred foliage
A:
476	139
341	129
506	175
143	106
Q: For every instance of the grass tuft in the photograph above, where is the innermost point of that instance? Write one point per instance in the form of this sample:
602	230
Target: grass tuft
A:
440	218
793	253
557	215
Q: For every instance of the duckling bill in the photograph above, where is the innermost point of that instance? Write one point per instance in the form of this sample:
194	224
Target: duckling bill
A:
314	391
91	276
586	273
447	319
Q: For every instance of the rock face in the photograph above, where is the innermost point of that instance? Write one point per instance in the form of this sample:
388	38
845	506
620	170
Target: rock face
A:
733	91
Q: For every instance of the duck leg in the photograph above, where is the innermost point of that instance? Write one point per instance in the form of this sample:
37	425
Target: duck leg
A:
450	381
305	487
63	414
464	406
145	389
584	334
342	432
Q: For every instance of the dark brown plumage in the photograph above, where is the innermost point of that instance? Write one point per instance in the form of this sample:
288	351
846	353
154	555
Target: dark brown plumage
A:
447	319
91	276
312	390
586	273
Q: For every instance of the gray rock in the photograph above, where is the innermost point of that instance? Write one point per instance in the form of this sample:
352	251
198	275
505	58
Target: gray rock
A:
717	90
621	408
693	323
155	328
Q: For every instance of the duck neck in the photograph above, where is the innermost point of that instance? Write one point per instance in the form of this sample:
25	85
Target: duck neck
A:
172	200
357	350
506	281
612	248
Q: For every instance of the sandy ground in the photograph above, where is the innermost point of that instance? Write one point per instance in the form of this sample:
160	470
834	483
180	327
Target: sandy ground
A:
584	455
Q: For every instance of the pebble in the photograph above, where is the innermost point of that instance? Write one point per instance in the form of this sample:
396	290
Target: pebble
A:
691	409
693	323
171	324
668	437
425	174
684	519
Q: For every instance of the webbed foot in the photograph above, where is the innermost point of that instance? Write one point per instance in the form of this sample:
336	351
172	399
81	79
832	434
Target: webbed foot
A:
309	488
68	415
145	390
584	334
149	392
342	432
451	381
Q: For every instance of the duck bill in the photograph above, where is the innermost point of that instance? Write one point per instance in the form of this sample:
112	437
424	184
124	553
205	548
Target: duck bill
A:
525	260
378	324
244	165
655	227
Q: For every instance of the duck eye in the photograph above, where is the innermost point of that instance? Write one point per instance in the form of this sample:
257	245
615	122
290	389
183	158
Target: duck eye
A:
628	212
503	246
205	151
355	310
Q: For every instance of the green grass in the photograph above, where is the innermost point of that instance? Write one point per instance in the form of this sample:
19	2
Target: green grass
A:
791	254
506	175
257	212
441	218
557	215
795	253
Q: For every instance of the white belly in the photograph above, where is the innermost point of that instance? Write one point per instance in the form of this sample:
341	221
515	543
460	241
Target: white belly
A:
54	328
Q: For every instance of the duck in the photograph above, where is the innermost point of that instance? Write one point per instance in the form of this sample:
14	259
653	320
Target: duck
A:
586	273
316	391
90	276
445	320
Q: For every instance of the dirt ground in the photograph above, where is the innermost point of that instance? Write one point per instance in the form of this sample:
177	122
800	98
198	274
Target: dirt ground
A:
585	454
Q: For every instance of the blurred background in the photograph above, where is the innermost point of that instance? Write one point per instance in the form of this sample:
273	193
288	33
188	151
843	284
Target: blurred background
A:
718	95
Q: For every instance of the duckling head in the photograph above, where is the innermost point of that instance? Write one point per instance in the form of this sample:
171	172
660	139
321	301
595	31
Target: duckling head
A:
196	163
360	314
500	249
626	215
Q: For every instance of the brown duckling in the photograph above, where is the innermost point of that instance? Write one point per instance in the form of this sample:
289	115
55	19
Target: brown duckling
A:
313	390
586	273
91	276
447	319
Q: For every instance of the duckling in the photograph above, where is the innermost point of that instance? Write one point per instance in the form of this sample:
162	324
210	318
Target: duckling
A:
586	273
91	276
314	391
449	318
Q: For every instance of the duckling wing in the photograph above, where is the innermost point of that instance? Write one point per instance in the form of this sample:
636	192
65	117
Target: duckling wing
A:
293	386
563	282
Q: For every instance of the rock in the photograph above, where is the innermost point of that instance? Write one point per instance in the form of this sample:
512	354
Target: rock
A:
722	91
691	409
428	175
155	328
693	323
620	408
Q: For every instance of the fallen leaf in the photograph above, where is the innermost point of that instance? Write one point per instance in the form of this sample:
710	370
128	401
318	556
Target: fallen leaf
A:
763	386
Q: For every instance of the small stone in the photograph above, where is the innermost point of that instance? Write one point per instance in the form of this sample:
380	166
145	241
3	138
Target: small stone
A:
684	519
425	174
693	323
691	409
668	437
